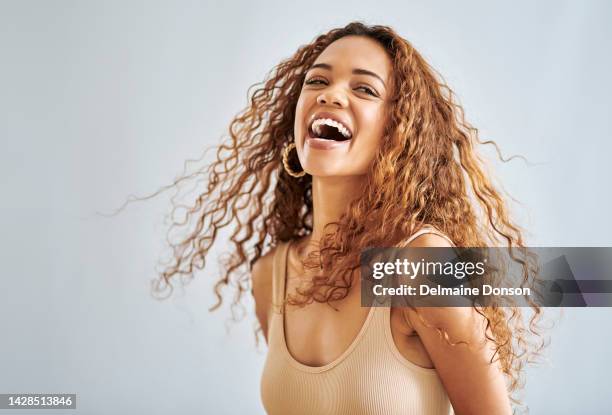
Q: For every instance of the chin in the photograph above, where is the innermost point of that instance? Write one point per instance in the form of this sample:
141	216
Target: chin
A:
322	171
330	171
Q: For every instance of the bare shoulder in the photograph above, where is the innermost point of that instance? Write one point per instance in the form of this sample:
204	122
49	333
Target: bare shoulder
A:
438	316
261	283
463	320
463	356
261	273
429	240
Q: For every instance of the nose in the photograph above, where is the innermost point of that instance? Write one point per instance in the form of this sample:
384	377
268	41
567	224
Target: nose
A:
332	97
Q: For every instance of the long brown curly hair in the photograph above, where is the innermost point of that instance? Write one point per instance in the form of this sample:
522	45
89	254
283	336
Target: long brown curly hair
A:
426	171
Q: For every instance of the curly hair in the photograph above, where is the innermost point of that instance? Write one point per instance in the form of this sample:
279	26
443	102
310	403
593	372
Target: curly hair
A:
426	171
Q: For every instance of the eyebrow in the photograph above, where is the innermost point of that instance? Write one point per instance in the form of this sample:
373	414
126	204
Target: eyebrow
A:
356	71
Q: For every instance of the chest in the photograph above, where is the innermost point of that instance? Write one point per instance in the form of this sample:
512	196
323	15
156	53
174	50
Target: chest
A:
318	334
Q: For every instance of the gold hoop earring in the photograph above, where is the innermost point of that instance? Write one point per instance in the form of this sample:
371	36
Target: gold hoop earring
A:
286	152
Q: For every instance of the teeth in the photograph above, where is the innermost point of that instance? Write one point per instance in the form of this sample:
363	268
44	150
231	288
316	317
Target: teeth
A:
316	126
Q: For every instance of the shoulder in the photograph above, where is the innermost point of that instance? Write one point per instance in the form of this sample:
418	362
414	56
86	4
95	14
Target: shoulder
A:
461	324
461	319
430	237
430	240
261	276
261	288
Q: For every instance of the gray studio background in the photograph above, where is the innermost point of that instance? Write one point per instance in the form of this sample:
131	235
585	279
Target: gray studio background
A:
99	100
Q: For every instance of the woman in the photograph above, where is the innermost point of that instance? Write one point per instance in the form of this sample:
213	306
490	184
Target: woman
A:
353	142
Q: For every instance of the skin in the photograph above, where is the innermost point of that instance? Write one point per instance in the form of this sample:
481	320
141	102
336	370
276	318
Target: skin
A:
317	334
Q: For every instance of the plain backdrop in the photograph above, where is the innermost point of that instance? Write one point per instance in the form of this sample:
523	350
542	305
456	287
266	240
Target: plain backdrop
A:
99	100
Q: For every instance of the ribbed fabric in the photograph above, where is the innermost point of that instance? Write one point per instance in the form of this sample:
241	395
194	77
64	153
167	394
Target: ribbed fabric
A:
370	377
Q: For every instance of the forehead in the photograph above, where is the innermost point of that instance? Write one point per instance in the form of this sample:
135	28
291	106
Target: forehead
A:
357	52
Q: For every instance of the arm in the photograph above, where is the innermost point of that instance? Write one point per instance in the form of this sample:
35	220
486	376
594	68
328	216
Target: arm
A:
474	385
261	277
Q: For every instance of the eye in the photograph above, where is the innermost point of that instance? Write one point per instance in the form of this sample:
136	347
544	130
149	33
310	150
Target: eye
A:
318	81
368	90
314	81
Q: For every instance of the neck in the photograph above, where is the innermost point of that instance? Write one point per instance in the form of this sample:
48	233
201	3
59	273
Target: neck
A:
331	197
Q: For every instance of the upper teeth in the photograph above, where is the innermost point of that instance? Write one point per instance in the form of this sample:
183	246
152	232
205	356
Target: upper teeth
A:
316	126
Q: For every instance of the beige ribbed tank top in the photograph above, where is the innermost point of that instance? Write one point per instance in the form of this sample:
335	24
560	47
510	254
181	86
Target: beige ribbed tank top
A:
370	377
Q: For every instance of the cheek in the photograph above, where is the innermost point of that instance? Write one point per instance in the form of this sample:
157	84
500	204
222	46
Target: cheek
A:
299	115
374	124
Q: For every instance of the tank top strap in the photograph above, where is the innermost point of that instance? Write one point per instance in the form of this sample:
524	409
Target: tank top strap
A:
279	270
422	231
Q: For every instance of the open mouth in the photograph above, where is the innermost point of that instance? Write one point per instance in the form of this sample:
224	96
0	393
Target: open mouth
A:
329	129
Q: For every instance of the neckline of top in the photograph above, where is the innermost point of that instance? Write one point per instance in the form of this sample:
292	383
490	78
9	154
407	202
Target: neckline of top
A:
292	360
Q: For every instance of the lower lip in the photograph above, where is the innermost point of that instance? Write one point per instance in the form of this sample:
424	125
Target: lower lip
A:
323	144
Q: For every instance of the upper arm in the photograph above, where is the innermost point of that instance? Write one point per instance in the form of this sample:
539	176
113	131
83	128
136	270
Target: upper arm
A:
474	385
261	277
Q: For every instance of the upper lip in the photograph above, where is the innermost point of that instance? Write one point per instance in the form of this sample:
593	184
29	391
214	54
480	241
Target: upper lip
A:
332	116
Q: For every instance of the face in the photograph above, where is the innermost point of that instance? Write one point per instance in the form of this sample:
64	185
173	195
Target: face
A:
347	84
